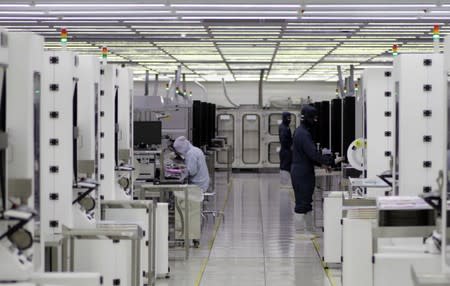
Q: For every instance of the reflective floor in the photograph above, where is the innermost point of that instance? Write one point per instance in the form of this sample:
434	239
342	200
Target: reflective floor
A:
255	243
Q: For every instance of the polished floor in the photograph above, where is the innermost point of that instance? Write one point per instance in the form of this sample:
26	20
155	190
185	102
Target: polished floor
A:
254	243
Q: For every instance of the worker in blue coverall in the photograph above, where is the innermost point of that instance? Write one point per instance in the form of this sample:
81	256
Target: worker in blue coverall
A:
285	136
305	158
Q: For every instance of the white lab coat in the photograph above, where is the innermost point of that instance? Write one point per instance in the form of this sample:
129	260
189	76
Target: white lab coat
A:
197	168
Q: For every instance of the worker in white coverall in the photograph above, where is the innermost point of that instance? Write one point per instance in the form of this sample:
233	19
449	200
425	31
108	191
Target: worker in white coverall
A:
195	163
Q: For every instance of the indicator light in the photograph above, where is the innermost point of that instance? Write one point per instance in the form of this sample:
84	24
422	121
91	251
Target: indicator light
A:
395	50
63	38
104	53
436	32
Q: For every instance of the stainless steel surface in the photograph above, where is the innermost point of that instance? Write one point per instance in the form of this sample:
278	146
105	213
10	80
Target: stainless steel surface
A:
20	188
151	210
86	167
359	202
103	231
3	140
144	188
255	243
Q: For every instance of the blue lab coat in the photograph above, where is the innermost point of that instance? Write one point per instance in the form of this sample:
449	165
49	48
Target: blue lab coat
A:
305	158
285	136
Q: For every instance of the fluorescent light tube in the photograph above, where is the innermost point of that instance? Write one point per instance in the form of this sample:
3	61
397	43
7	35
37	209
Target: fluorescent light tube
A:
236	5
22	12
120	18
99	5
361	12
15	5
360	18
235	12
109	12
27	18
81	21
238	18
371	6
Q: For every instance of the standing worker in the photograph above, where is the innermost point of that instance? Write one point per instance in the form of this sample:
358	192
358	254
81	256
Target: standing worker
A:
285	135
305	157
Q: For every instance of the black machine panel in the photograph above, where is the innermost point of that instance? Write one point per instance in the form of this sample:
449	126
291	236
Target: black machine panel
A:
336	125
324	124
316	131
204	122
74	126
211	122
2	129
196	124
349	122
147	133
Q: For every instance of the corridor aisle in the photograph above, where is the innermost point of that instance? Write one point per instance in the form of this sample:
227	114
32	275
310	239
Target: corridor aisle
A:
255	243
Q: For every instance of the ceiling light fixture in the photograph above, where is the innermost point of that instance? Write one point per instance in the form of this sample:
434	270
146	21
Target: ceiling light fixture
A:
236	5
371	6
110	12
235	12
120	18
27	18
239	18
22	12
362	12
49	5
15	5
360	18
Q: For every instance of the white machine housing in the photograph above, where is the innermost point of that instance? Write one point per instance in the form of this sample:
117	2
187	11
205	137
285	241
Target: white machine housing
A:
109	90
126	107
88	113
421	93
125	113
24	53
57	135
378	91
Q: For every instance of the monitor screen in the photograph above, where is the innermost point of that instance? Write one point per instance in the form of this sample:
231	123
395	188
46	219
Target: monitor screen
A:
147	133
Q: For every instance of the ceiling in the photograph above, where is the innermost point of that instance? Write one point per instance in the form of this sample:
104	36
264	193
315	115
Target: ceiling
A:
234	40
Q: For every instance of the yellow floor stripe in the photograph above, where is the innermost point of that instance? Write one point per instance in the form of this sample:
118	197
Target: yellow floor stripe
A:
213	238
324	265
317	247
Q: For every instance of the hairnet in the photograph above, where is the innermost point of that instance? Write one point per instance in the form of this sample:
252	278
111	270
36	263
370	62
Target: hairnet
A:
182	145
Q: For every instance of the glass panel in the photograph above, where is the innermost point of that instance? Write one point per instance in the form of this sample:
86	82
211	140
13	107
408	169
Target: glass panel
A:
37	140
273	150
2	129
275	121
225	128
251	139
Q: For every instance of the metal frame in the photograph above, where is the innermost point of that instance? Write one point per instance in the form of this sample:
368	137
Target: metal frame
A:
151	210
163	189
114	232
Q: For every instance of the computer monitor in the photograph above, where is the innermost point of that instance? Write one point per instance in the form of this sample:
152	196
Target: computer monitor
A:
147	133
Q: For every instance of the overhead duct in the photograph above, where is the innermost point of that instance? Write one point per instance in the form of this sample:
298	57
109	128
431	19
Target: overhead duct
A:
340	82
156	86
260	89
226	94
205	91
146	83
351	83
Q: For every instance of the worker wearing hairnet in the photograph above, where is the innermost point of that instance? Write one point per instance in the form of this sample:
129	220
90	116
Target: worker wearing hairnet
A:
195	162
285	136
305	158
